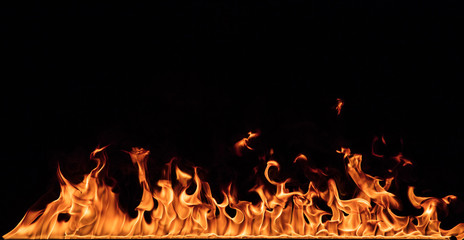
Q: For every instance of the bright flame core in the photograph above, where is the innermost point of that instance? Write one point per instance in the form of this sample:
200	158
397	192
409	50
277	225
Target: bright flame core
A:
94	211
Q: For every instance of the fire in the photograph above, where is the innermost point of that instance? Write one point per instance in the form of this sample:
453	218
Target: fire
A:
243	144
92	208
339	106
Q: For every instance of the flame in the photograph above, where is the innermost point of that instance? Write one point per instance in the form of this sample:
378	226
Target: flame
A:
243	144
339	105
399	158
94	212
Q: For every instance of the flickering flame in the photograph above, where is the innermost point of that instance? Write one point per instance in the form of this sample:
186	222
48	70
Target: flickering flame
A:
339	105
94	212
243	144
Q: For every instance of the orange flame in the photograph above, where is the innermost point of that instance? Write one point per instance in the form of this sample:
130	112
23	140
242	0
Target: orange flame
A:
243	144
94	212
339	105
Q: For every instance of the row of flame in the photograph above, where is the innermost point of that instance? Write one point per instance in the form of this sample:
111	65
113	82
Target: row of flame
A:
94	211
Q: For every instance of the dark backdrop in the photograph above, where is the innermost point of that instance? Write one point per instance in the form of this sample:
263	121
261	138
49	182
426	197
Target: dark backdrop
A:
190	79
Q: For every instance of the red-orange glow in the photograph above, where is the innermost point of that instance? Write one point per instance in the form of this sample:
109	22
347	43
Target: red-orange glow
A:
243	144
300	157
94	211
398	158
339	105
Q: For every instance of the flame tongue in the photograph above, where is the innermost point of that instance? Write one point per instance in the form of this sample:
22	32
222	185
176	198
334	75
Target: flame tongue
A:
139	157
94	212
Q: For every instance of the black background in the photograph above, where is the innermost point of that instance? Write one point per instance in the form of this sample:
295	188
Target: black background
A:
191	79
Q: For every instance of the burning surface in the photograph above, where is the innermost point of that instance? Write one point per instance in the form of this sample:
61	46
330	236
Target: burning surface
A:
182	205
